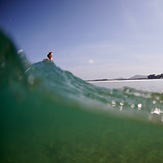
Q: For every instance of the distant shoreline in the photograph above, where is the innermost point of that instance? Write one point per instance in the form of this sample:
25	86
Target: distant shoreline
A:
136	77
116	79
103	80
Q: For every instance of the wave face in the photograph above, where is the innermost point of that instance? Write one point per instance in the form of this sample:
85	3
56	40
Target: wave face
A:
49	115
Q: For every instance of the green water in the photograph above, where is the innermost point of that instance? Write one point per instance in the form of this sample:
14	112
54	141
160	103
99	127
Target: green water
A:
64	121
53	132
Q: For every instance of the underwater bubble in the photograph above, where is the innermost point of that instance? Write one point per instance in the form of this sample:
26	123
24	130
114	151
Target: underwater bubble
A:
140	106
156	111
132	106
121	103
127	90
157	98
137	94
113	103
111	92
121	108
154	102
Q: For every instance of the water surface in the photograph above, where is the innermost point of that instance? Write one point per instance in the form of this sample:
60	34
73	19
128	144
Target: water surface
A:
48	115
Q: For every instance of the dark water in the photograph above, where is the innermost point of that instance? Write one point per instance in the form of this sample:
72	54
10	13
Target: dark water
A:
48	115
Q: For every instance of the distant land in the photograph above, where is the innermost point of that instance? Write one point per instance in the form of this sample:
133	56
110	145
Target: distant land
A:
135	77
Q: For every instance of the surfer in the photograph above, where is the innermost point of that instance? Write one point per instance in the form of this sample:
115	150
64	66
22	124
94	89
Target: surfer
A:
50	56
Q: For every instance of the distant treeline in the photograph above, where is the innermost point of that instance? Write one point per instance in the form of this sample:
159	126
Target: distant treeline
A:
153	76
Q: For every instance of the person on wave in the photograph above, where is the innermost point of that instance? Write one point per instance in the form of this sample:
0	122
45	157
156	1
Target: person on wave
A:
49	57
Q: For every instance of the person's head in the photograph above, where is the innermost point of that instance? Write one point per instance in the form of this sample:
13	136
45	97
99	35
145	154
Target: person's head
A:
50	56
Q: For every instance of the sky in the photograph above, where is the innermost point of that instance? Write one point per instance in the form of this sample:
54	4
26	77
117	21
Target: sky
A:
93	39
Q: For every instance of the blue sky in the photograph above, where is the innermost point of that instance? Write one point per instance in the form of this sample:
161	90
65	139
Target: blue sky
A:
91	38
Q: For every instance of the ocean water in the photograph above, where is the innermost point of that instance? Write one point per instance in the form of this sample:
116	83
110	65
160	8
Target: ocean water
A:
154	85
48	115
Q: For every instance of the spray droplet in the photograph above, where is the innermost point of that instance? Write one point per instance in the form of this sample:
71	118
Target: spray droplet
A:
113	103
139	106
132	106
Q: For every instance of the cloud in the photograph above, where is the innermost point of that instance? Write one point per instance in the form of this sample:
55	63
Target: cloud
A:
91	61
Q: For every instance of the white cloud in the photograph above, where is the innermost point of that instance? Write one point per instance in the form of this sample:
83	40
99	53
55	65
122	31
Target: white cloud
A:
91	61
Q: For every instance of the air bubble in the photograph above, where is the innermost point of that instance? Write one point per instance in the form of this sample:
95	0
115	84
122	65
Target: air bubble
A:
156	111
121	105
127	90
113	103
154	102
111	92
139	106
132	106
